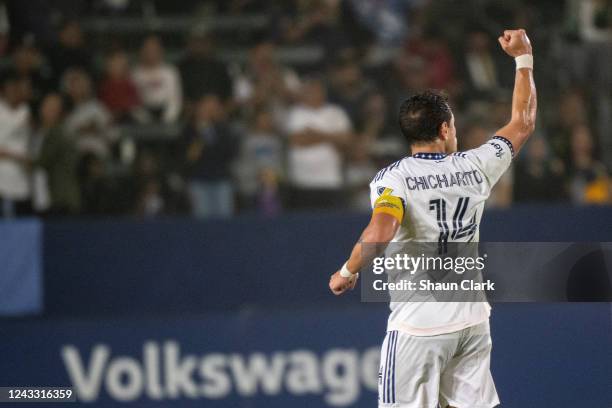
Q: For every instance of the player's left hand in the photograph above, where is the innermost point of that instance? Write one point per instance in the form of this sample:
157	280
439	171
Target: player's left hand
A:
515	42
339	284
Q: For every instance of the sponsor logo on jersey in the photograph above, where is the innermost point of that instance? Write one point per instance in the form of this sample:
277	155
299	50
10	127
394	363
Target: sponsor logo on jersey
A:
499	151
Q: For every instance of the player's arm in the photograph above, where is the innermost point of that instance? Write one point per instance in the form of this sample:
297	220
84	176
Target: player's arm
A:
386	219
524	99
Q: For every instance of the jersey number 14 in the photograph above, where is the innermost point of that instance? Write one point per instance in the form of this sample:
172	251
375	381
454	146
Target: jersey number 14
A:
458	230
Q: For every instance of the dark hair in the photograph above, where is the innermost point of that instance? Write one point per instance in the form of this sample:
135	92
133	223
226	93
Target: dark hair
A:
421	116
8	76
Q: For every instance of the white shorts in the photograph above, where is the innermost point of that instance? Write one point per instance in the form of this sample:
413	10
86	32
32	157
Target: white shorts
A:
448	369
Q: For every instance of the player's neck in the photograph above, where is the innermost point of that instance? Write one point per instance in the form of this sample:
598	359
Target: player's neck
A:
435	147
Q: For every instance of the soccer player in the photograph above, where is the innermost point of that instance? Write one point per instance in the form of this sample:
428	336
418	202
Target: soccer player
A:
438	353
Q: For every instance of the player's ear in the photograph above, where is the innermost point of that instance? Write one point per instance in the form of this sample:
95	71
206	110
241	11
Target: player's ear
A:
443	132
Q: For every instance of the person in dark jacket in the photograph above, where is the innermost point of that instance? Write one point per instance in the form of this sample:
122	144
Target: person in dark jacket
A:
71	50
201	72
58	158
212	145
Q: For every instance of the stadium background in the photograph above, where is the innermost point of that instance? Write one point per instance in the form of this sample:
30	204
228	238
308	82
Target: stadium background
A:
130	254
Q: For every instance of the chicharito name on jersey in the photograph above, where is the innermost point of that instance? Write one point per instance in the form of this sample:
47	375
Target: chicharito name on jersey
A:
445	180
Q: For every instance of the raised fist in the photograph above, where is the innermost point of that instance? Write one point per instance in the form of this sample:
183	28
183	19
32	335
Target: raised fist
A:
515	42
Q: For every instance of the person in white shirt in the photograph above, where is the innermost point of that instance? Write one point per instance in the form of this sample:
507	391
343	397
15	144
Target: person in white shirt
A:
158	83
15	186
437	353
318	131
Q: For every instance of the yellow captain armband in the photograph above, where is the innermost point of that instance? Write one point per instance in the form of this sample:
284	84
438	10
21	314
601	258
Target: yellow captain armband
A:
389	204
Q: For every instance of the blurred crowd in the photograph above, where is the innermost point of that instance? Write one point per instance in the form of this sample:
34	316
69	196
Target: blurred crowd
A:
263	135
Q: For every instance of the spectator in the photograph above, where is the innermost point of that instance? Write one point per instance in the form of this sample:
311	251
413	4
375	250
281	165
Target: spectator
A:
261	151
70	51
97	189
385	19
481	72
88	123
318	133
361	167
321	22
539	176
15	189
265	83
407	76
590	182
268	198
57	157
211	148
595	22
28	65
201	72
376	120
348	88
117	90
148	186
158	83
571	112
360	170
434	50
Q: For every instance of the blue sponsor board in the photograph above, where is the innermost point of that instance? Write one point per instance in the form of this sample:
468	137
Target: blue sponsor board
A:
543	355
196	267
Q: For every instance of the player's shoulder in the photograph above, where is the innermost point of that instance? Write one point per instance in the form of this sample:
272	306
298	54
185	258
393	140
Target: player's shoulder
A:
390	171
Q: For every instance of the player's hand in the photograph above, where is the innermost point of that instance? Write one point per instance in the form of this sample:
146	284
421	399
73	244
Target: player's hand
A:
339	284
515	42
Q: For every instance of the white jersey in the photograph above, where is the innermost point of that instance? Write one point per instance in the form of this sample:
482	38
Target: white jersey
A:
444	197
